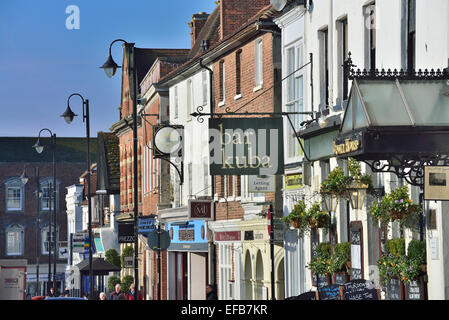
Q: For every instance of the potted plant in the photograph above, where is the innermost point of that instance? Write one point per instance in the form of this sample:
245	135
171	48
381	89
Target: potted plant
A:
339	261
298	218
417	251
320	262
318	218
397	206
389	263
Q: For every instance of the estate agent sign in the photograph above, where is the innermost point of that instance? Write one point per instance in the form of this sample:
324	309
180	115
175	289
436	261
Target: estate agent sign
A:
246	146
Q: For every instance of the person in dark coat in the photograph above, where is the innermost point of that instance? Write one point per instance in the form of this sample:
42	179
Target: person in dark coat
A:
211	292
115	295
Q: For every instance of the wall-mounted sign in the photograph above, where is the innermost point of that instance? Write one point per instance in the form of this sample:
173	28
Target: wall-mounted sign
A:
63	253
348	146
168	141
436	183
228	236
201	209
188	236
293	182
246	146
261	184
126	232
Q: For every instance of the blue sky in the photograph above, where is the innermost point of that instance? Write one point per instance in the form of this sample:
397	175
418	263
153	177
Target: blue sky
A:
42	62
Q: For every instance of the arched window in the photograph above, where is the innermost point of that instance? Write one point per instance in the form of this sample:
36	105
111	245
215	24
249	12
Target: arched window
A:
15	194
14	240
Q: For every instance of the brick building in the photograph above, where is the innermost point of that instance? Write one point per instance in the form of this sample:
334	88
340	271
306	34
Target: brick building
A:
18	203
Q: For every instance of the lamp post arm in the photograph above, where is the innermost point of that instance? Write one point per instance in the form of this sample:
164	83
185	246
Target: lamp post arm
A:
112	43
85	104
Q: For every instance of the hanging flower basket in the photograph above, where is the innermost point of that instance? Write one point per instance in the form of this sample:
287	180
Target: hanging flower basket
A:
321	222
296	223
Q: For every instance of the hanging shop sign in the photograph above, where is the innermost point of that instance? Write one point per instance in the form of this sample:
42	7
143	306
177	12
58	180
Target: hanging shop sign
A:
188	236
126	232
436	183
348	146
261	184
228	236
201	209
146	225
246	146
293	182
159	240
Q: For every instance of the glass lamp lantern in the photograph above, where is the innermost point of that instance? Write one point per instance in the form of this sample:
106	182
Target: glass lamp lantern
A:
330	202
357	193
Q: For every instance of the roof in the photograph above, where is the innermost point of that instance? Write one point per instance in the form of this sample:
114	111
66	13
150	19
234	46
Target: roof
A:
108	169
20	149
210	31
145	58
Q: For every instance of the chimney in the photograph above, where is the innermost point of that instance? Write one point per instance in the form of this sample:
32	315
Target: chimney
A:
197	23
235	13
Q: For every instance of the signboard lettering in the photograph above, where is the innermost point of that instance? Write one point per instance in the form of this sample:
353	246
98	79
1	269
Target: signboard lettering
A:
331	292
228	236
126	232
201	209
261	184
414	290
146	225
347	147
360	290
394	289
293	182
246	146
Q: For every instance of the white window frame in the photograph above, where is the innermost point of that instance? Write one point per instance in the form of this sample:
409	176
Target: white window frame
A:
246	196
225	269
190	99
175	115
294	101
15	184
46	183
45	233
205	87
258	64
223	76
18	234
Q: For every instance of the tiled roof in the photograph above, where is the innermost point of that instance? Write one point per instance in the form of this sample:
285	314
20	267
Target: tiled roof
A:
108	169
20	149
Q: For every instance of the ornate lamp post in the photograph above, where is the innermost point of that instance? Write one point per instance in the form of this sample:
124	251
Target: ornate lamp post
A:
68	116
110	68
39	149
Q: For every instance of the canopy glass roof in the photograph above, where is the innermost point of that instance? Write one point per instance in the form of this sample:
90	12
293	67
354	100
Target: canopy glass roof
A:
389	103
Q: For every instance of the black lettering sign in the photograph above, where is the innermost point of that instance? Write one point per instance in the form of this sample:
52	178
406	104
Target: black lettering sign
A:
331	292
340	279
126	232
249	235
311	295
360	290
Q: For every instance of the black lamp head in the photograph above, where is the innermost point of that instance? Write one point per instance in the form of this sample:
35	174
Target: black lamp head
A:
110	67
68	115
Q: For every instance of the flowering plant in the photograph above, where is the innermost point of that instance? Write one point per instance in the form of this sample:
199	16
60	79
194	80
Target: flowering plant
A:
298	218
388	267
318	218
408	269
336	183
342	254
321	261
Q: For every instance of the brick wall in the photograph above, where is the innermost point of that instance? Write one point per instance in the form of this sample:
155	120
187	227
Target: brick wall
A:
235	13
66	173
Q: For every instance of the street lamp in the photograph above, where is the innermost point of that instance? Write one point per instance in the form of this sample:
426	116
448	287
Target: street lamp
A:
39	149
68	116
25	180
357	193
110	68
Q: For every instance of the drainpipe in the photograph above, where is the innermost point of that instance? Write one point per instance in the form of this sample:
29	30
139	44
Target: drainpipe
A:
330	54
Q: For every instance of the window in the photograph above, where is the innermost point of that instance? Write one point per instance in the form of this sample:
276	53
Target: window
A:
370	42
294	96
47	201
189	99
343	55
238	73
14	240
324	71
225	265
204	83
176	103
246	195
258	62
222	82
46	241
411	34
14	189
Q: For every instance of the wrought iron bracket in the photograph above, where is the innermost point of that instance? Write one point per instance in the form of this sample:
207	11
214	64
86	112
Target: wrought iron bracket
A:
408	168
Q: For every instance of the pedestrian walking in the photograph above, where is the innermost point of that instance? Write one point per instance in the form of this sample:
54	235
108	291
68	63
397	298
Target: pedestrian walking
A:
52	293
102	296
130	293
115	295
211	292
